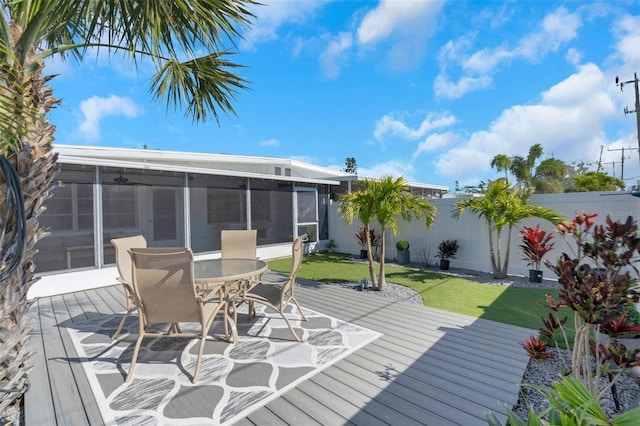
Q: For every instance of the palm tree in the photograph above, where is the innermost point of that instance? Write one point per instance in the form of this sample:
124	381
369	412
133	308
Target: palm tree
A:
384	201
501	163
360	204
503	207
184	40
522	168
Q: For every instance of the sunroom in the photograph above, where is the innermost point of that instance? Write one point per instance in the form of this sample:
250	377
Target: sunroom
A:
177	199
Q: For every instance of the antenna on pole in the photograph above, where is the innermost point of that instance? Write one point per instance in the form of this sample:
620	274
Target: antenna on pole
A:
637	110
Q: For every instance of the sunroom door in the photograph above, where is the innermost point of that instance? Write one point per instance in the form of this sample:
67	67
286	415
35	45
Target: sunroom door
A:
164	219
306	205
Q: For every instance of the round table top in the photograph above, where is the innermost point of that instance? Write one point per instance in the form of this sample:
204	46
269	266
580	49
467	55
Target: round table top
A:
220	270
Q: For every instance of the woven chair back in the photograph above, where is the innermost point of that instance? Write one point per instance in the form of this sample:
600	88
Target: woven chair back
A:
164	283
238	244
123	258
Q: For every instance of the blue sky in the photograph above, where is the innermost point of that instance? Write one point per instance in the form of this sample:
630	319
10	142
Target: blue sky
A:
430	90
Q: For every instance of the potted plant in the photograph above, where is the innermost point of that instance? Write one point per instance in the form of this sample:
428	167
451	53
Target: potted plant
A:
331	245
361	236
404	254
446	250
536	243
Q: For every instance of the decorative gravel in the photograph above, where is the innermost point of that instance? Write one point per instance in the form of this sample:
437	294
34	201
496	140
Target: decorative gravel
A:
537	372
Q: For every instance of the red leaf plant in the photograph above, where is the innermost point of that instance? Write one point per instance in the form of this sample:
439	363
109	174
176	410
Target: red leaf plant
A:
536	243
536	348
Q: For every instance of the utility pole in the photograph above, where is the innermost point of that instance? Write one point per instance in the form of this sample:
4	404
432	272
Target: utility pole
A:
600	159
637	110
622	161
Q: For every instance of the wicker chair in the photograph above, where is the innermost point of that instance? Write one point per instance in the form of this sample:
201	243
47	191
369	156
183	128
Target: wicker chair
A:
238	244
163	281
123	263
277	295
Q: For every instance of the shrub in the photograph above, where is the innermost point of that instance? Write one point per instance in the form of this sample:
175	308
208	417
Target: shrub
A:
402	245
447	249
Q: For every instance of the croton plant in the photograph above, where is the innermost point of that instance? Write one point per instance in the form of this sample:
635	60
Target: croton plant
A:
598	283
536	243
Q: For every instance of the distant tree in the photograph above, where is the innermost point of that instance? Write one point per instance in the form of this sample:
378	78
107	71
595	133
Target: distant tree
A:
520	169
523	168
596	181
552	176
350	165
581	167
501	163
535	152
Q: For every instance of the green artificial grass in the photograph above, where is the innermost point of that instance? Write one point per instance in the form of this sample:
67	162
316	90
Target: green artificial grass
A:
516	306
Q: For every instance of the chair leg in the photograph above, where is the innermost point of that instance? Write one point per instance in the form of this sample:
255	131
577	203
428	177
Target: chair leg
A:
304	317
122	321
134	358
290	326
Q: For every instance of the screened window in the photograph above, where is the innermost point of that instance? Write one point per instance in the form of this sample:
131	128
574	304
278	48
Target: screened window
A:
69	219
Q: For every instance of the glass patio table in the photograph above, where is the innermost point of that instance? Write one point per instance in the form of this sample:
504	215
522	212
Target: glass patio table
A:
230	275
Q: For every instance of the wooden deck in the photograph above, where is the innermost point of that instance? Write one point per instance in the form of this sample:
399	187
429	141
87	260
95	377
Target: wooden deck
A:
430	366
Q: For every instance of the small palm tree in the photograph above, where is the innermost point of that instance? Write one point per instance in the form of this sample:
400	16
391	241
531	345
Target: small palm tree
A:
384	201
359	204
503	207
182	39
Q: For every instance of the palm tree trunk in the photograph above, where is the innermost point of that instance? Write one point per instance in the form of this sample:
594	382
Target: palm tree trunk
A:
492	253
35	164
505	266
372	269
381	278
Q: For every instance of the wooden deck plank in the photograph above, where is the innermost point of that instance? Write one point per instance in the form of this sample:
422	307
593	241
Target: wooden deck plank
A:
68	405
429	367
396	330
39	408
369	400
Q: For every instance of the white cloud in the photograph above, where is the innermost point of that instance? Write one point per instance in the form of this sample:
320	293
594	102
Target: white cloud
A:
406	24
389	125
275	13
334	54
447	89
555	30
393	168
486	60
270	143
627	31
437	141
96	108
574	56
567	123
391	16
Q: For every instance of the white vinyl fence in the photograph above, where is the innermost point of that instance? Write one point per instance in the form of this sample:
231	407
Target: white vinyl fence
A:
472	233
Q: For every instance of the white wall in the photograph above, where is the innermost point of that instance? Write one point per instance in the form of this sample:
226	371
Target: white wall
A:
472	233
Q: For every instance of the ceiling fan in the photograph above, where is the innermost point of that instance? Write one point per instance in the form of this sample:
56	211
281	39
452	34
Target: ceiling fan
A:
120	180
